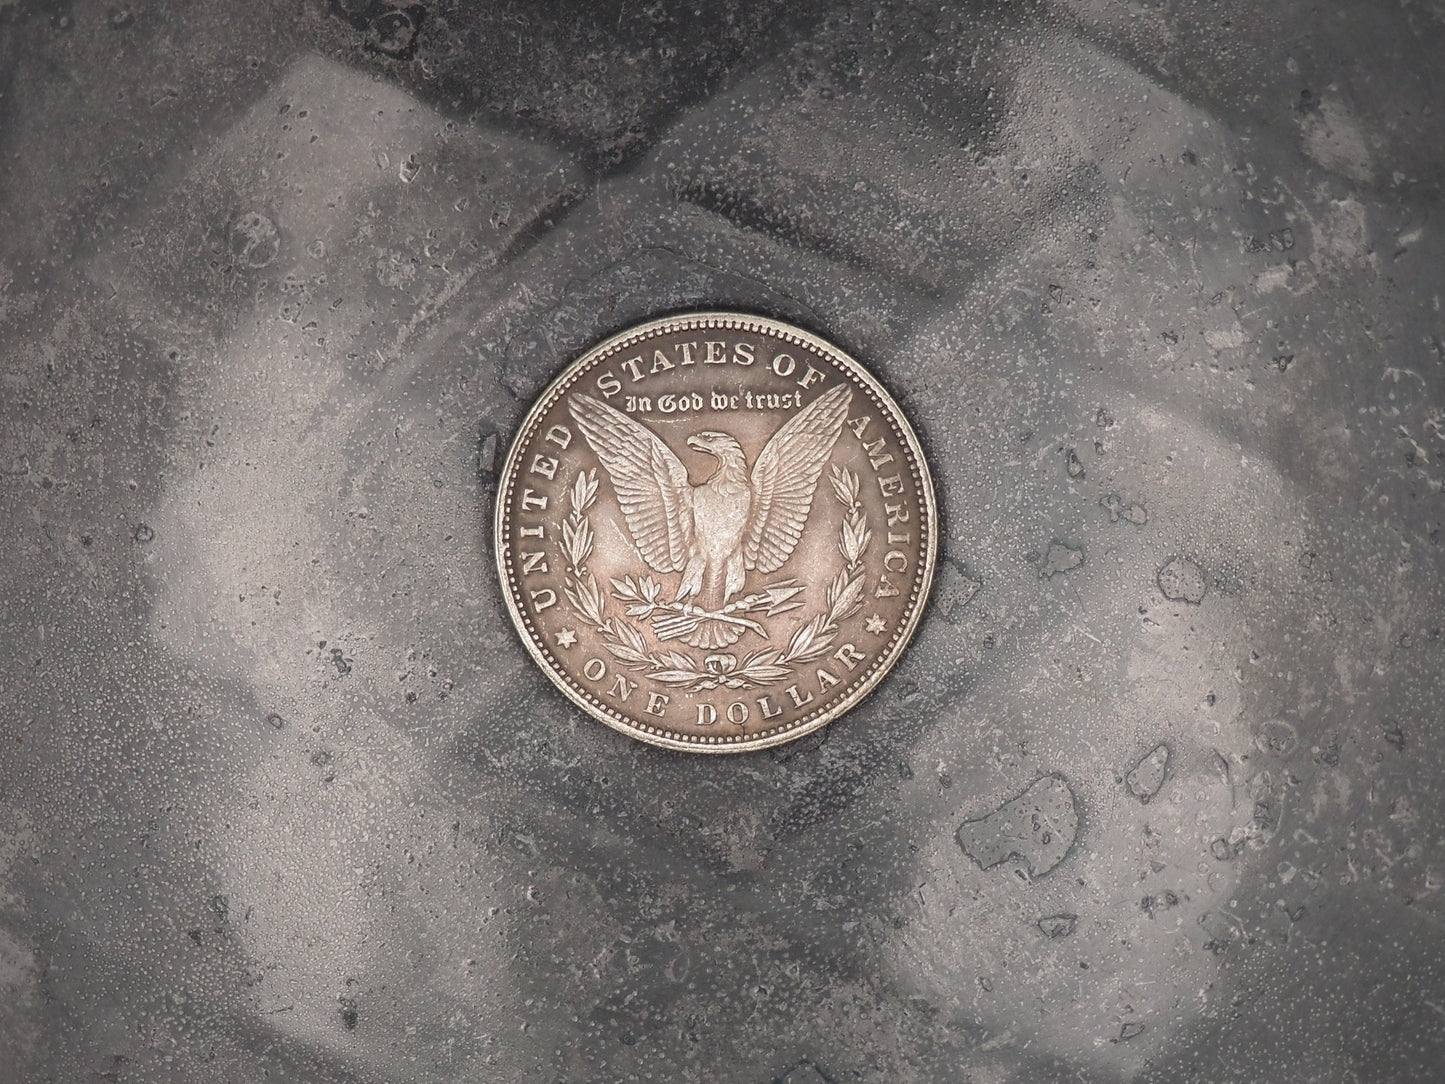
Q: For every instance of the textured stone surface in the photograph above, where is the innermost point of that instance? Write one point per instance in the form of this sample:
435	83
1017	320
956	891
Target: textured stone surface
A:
281	797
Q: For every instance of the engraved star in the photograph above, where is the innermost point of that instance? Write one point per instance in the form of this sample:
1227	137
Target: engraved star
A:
876	625
566	638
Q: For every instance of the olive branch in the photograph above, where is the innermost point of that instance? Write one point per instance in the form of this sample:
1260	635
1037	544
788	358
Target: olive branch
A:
643	598
579	585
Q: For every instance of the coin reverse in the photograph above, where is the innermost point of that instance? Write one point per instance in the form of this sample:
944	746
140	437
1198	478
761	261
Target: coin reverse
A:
715	532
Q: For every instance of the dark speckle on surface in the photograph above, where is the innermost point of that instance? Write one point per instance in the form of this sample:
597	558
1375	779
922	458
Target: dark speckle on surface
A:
1061	925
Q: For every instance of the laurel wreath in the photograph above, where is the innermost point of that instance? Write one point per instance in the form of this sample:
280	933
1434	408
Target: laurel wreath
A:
643	598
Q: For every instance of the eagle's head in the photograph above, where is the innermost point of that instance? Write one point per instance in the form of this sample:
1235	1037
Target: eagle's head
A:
722	447
714	443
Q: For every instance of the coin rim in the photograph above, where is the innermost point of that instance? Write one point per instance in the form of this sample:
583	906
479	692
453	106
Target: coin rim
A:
683	322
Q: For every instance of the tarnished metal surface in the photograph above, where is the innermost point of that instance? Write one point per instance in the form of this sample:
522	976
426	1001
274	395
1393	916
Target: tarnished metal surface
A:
1154	795
746	606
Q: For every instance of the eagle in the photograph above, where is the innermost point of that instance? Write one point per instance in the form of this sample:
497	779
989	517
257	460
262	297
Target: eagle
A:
735	521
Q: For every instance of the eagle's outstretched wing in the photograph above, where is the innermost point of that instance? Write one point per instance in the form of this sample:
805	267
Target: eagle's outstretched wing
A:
650	482
785	478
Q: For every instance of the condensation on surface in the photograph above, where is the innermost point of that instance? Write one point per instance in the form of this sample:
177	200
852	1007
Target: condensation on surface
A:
281	795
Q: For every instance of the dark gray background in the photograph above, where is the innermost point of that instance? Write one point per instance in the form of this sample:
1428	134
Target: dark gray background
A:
281	796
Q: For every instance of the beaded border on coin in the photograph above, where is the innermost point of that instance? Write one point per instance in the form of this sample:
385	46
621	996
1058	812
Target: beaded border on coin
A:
863	684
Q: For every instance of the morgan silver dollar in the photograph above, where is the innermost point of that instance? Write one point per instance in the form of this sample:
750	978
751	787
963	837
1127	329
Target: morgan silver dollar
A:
715	532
